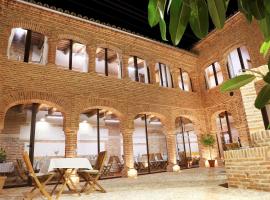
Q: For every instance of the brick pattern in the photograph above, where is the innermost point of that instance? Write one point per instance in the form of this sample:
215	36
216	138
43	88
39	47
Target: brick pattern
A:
74	92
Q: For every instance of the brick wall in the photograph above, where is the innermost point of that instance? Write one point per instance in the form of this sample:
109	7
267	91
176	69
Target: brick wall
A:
74	92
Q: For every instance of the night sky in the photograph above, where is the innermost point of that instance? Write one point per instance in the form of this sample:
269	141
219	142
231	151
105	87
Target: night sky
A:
131	15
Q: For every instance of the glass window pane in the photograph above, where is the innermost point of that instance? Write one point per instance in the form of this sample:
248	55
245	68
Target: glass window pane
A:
79	57
17	44
234	61
62	53
38	49
218	73
100	61
210	76
114	67
131	68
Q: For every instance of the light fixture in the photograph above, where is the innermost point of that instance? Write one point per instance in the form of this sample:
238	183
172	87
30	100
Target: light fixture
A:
54	116
42	119
155	122
112	120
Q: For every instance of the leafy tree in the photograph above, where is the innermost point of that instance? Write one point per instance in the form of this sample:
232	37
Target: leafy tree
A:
196	13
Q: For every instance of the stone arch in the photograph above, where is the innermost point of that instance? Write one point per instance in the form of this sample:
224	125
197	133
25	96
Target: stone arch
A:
23	97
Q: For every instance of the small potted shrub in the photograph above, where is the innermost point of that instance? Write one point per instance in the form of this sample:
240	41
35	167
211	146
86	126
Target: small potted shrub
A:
208	140
3	155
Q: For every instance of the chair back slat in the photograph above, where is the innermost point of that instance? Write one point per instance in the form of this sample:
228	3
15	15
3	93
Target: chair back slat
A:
101	160
28	163
159	156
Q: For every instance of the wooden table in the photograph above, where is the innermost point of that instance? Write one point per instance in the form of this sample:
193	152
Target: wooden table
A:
66	167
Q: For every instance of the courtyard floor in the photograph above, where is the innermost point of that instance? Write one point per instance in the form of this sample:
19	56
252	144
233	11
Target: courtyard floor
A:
197	184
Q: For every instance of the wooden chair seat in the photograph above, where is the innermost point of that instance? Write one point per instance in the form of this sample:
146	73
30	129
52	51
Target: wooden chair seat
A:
38	185
91	176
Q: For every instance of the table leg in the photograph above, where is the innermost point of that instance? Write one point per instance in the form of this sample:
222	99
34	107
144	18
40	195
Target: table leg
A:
59	180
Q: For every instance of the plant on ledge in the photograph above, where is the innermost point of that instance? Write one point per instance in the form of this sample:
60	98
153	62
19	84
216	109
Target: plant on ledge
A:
196	14
3	155
208	140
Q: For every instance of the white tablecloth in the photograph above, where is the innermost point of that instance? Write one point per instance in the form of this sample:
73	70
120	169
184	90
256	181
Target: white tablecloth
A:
7	167
69	163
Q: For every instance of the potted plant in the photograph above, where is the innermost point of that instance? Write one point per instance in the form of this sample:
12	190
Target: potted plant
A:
3	155
208	140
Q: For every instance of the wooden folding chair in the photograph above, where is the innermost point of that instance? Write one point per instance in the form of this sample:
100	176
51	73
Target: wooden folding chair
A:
91	176
36	179
118	162
107	168
162	163
21	171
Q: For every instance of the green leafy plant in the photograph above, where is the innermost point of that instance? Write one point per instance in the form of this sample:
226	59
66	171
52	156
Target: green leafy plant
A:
196	14
208	140
3	155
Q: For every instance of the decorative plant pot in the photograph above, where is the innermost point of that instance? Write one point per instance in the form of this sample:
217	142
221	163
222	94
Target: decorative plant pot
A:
211	163
2	183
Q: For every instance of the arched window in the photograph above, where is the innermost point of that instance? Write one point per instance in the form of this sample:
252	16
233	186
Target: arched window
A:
72	55
27	46
187	144
108	63
227	135
99	130
184	81
213	75
238	60
149	144
163	75
138	70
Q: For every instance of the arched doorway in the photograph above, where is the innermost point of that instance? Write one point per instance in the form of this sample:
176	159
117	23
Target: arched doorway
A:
99	130
35	128
187	143
227	135
149	144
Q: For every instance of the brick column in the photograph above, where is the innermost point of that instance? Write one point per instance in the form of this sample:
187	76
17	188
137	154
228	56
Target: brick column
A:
71	143
129	170
91	51
223	65
125	58
171	148
52	43
253	115
151	65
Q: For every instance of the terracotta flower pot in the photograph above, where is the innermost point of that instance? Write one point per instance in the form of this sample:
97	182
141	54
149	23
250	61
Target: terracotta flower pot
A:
211	163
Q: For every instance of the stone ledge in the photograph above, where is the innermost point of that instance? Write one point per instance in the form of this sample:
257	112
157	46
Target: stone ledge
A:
260	138
250	153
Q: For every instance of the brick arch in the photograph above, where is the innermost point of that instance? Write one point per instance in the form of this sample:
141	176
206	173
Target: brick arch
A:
232	47
163	61
139	54
74	37
110	46
94	103
30	26
215	115
23	97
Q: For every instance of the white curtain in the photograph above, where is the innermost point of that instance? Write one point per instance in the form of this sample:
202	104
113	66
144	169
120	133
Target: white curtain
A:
86	61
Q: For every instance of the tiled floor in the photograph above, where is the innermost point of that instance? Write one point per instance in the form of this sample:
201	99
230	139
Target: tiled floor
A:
197	184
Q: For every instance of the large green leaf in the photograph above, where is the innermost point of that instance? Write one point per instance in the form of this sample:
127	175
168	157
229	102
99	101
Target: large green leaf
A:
256	8
237	82
267	5
217	10
245	10
153	14
265	48
162	23
198	21
263	97
265	26
179	17
163	29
